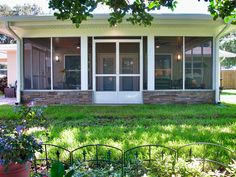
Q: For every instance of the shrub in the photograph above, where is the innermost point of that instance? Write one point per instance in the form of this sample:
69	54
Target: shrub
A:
3	84
17	146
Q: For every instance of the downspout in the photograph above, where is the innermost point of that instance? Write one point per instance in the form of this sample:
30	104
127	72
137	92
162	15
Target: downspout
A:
18	61
217	86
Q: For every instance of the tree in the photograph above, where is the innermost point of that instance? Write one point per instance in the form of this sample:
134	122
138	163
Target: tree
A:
79	10
17	10
228	43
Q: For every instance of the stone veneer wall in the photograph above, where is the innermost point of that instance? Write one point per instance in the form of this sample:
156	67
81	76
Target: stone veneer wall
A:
57	97
187	97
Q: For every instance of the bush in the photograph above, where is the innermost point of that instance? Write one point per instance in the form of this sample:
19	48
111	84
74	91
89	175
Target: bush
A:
160	167
3	84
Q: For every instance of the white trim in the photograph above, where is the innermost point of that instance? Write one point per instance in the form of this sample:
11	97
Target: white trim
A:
141	58
118	96
183	63
186	90
117	67
21	66
151	62
217	73
116	40
104	75
57	90
84	62
94	65
214	63
72	90
18	69
51	53
31	68
105	16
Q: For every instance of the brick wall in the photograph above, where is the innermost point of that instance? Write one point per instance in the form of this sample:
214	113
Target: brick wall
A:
57	97
188	97
149	97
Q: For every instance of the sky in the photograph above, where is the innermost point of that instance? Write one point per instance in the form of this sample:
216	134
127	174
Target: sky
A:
183	6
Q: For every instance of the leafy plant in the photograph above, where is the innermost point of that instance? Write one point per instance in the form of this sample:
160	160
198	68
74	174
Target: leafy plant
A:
30	116
17	146
3	83
57	169
138	10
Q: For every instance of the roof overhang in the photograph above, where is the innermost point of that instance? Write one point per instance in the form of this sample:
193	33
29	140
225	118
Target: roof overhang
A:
31	22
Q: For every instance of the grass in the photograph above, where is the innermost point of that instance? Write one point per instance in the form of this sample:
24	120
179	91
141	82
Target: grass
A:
228	92
128	126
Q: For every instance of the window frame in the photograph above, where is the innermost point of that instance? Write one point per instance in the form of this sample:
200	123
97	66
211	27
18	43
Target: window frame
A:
183	58
51	89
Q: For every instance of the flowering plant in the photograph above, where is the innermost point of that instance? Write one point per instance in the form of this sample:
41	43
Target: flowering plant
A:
16	146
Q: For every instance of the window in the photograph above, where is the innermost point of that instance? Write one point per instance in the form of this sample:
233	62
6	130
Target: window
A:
198	63
37	63
3	69
66	63
72	71
168	63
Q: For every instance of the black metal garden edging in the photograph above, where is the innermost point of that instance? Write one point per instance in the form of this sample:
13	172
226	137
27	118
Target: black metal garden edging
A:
99	155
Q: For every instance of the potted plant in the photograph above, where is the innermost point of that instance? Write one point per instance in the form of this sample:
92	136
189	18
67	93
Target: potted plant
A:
17	149
17	145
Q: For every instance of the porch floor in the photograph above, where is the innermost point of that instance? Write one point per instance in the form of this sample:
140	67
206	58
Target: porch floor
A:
7	101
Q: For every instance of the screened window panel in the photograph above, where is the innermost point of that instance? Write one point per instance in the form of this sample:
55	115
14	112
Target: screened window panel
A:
37	64
198	63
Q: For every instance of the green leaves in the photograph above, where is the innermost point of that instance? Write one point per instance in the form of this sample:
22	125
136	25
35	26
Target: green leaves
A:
79	10
57	169
75	10
225	9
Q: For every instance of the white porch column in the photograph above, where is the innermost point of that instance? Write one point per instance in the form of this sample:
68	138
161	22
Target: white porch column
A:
84	62
19	75
217	71
150	63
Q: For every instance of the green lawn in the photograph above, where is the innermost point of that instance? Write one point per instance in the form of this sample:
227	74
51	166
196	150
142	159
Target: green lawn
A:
129	126
228	92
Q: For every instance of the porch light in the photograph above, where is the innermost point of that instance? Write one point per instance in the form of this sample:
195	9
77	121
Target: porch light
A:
178	57
157	46
57	58
78	47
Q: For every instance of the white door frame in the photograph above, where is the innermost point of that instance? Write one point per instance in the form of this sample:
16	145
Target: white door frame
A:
119	97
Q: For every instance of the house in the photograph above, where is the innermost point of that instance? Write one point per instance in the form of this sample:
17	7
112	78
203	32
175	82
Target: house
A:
176	60
8	63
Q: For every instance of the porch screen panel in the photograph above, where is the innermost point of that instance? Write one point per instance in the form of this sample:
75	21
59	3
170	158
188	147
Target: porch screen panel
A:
198	63
66	63
168	63
129	66
37	64
106	66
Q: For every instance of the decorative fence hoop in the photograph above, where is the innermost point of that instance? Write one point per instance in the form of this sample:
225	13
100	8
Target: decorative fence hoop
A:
123	157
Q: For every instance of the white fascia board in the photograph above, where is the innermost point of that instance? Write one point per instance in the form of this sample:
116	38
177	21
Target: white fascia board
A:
102	19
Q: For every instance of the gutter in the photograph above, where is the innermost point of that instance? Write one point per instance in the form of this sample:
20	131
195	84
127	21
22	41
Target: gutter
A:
218	70
18	60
